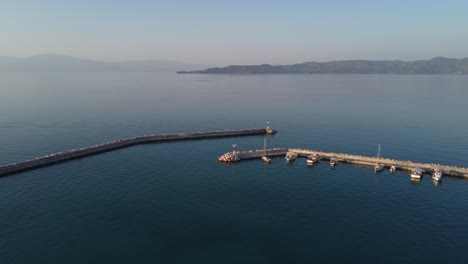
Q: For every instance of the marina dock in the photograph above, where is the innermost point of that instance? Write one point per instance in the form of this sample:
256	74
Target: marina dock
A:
63	156
356	160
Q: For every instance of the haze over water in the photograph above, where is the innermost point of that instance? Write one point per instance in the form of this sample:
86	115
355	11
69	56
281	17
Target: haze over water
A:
174	203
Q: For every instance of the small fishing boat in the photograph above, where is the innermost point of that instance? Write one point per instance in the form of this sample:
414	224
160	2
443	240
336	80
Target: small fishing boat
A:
290	156
437	175
312	159
333	161
378	167
265	158
416	173
392	169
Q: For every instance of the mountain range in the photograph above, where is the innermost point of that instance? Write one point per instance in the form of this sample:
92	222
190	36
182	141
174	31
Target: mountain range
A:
52	63
438	65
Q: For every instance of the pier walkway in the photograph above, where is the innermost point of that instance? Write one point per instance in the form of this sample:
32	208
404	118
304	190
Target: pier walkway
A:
258	153
357	160
59	157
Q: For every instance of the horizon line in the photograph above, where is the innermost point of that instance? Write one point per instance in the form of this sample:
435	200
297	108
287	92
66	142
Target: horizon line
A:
185	62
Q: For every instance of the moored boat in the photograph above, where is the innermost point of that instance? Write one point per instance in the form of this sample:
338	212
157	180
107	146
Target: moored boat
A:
417	173
312	159
392	169
437	175
290	156
378	167
333	161
266	159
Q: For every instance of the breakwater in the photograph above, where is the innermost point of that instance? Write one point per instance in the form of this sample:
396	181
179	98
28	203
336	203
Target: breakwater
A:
357	160
63	156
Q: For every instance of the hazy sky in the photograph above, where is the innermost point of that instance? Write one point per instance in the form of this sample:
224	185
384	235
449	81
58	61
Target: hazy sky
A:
235	32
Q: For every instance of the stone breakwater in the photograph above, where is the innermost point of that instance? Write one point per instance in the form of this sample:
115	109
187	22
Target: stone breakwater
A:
63	156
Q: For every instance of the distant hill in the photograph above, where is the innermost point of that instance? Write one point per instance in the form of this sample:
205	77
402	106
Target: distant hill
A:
53	63
437	65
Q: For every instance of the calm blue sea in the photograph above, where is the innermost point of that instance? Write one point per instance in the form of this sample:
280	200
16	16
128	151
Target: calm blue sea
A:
174	203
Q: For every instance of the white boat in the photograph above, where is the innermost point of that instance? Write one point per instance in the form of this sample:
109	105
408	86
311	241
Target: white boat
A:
378	167
437	174
312	159
392	169
416	173
265	158
333	161
290	156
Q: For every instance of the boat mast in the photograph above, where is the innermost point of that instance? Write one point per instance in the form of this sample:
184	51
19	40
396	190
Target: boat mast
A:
378	153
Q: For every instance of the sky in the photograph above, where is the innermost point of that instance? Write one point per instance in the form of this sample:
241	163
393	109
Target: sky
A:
235	32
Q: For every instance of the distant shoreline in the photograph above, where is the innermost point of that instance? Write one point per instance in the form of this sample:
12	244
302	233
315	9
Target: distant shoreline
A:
438	65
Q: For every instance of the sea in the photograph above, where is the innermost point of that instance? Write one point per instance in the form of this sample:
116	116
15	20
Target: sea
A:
175	203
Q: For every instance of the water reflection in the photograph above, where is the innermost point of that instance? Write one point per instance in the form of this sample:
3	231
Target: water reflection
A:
415	181
436	183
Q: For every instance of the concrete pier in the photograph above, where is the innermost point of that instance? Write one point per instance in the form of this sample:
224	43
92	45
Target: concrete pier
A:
372	161
257	154
358	160
63	156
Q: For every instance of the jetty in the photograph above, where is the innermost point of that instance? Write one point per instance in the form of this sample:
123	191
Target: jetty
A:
79	153
453	171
